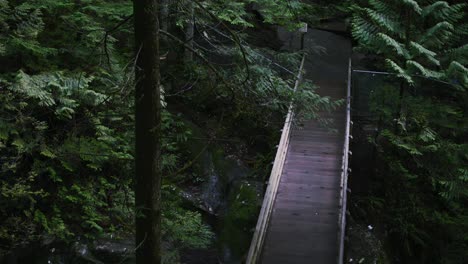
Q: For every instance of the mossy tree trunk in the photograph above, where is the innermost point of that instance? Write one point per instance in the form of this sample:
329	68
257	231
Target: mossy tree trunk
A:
147	132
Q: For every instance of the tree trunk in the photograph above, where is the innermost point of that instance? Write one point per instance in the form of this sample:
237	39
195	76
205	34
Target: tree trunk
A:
147	132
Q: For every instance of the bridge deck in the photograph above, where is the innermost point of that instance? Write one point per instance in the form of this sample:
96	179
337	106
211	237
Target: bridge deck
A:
303	227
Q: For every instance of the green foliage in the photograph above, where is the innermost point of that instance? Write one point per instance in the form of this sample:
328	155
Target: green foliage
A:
66	125
56	156
232	12
420	183
412	36
181	227
286	13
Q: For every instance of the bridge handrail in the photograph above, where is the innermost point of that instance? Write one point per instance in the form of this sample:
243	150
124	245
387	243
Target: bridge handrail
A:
344	168
275	176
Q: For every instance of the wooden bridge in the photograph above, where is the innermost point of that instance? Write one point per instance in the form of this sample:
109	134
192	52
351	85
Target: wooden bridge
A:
303	217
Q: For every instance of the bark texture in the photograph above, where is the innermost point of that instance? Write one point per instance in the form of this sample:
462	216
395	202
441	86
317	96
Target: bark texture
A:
148	132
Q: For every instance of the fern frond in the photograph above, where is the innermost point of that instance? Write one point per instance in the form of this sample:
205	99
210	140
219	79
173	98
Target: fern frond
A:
434	8
413	5
363	30
458	72
438	34
32	46
423	71
419	49
460	34
393	66
462	29
33	87
55	89
387	41
30	22
452	13
418	66
4	14
459	54
382	7
441	10
383	20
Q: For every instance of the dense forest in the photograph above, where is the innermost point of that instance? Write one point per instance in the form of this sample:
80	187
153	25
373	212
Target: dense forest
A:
111	105
418	188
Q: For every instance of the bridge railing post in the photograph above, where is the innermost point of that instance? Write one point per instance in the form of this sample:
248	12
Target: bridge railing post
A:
345	170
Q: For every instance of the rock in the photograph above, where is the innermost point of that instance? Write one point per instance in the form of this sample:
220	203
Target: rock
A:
220	174
114	251
82	252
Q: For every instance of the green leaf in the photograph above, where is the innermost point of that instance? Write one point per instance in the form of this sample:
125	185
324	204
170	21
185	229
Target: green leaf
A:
46	152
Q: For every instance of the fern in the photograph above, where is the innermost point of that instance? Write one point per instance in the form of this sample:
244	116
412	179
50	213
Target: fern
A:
451	13
438	34
29	24
441	10
460	54
455	187
413	5
399	70
4	8
364	31
421	173
422	70
458	72
418	49
34	87
382	7
435	8
53	89
386	40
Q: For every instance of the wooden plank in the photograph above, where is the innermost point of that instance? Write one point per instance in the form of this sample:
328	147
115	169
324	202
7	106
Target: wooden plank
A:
321	172
319	181
297	257
322	160
302	179
304	203
317	195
